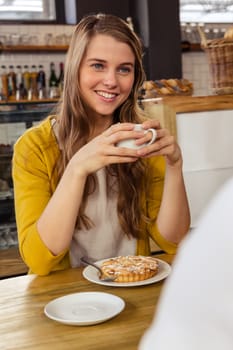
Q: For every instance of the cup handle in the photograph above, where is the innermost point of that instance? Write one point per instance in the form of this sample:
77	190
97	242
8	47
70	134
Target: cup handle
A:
154	135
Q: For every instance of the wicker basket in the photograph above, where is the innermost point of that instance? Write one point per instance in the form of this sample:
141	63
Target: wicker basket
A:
220	58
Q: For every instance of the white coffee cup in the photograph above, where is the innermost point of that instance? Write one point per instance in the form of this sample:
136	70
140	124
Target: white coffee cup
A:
130	143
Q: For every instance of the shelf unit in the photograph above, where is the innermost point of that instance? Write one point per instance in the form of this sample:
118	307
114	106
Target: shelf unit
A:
25	111
32	48
15	112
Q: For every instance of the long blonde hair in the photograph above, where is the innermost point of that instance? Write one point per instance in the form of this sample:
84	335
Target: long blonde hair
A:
75	125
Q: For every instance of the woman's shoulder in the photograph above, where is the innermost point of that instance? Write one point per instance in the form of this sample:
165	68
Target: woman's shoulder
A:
40	135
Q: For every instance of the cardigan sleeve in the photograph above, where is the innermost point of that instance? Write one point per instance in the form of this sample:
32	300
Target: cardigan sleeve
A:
152	201
32	171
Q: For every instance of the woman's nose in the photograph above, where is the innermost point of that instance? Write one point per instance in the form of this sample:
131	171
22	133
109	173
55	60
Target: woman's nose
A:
110	79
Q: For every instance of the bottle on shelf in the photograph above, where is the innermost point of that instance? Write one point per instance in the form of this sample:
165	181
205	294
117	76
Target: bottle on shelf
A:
20	92
53	82
33	92
26	80
61	77
11	83
41	82
3	83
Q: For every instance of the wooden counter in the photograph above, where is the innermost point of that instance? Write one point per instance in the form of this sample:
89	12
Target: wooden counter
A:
182	104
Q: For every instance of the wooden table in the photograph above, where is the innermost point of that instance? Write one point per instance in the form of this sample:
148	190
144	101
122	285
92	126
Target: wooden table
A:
24	326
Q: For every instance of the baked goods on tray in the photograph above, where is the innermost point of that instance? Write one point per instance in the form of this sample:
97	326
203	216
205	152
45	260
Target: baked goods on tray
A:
130	268
165	87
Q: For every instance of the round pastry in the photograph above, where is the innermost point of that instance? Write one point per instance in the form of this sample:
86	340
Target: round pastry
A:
130	268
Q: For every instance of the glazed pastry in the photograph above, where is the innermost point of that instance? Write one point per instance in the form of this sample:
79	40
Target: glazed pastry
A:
131	268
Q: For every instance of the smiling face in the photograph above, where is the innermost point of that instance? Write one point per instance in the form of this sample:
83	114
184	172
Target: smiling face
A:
106	75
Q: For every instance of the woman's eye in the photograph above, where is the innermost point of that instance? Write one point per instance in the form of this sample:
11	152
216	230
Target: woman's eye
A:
124	70
97	66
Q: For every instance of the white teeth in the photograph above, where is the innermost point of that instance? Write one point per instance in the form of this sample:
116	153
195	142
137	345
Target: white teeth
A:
106	94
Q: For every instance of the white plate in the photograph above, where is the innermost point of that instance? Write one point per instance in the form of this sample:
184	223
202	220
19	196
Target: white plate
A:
91	274
82	309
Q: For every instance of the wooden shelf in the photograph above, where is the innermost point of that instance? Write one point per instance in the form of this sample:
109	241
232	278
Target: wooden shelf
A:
189	47
28	102
185	46
33	48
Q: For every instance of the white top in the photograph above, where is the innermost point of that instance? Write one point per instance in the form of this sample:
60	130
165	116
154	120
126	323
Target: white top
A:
105	239
196	306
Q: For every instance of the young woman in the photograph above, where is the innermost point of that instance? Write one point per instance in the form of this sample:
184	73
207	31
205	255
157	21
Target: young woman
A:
76	192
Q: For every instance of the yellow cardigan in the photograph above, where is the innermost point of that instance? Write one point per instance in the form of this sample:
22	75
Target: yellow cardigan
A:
35	180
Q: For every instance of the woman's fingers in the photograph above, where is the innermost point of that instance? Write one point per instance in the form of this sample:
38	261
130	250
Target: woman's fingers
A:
118	127
164	145
151	123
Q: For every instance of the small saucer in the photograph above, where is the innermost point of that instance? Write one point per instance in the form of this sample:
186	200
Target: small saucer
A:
82	309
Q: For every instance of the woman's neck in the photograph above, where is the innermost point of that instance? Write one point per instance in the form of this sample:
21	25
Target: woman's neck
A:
101	124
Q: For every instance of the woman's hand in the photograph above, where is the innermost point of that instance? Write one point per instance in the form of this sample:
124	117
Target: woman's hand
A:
164	145
102	151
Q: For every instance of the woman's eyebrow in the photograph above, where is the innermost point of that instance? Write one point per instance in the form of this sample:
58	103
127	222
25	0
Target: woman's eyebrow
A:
104	61
126	64
96	59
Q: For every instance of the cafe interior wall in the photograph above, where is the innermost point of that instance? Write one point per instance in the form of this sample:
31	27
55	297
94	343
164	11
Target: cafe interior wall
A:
161	39
191	65
194	64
